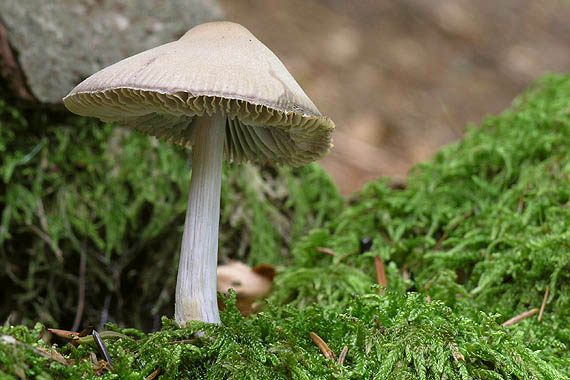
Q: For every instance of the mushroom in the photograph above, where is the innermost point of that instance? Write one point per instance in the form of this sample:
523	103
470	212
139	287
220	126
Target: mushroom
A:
222	92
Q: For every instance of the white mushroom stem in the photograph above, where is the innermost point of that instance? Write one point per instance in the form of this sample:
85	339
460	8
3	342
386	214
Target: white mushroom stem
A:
196	283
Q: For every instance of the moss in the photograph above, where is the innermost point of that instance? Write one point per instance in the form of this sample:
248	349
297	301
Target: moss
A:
75	191
391	336
482	226
481	229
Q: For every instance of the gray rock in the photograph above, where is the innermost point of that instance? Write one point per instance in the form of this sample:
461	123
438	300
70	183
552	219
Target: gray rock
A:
58	43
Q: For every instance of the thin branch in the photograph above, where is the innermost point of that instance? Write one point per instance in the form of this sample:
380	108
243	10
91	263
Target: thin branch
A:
154	374
520	317
380	274
543	302
326	250
323	346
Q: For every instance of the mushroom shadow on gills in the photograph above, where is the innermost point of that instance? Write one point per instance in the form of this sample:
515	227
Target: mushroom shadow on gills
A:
232	87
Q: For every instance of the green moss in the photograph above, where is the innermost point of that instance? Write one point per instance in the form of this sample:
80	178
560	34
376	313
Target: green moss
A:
73	189
481	229
483	226
393	336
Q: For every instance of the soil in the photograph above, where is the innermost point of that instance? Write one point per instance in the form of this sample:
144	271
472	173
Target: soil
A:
402	78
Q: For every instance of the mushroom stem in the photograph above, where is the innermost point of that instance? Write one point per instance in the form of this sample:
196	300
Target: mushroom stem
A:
196	284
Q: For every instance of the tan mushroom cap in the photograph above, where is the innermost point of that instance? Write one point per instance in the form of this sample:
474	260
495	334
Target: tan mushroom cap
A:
214	67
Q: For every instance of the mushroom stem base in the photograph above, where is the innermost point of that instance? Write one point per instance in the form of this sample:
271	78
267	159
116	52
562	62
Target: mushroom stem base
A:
196	297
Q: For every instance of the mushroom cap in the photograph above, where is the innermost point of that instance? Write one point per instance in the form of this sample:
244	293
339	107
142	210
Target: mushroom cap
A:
214	67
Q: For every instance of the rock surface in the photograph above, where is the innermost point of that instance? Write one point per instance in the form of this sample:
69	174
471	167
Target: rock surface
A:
58	43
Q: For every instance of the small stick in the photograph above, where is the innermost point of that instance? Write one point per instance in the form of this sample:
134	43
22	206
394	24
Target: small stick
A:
520	317
322	346
342	355
326	250
543	302
154	374
380	274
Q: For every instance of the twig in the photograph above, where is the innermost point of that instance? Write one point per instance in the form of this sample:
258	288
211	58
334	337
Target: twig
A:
520	317
342	355
322	346
154	374
543	302
380	274
328	251
81	291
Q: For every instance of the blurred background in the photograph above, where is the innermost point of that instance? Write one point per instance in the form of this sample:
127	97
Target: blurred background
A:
401	78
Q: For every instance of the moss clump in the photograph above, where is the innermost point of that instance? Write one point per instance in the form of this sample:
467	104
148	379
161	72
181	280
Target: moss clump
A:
481	229
391	336
482	226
